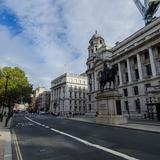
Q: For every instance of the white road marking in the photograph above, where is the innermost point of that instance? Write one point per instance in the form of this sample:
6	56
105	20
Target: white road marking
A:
18	152
122	155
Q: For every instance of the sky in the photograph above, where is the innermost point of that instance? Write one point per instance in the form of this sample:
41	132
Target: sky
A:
47	38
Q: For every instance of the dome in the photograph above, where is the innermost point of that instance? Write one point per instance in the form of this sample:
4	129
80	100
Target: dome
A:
95	36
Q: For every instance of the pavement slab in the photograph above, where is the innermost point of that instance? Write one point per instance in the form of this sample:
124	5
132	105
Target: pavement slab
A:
5	141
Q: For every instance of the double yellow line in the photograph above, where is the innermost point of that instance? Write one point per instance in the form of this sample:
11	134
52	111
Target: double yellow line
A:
18	152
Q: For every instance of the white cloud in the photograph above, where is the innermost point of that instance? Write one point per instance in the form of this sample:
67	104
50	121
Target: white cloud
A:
57	32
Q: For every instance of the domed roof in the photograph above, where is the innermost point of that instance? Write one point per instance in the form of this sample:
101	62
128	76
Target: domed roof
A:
95	36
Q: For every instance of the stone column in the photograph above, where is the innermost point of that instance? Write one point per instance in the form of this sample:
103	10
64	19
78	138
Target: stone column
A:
120	74
129	70
95	80
153	67
139	67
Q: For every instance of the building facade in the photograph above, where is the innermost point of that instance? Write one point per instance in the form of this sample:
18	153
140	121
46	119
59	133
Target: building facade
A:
69	94
43	101
138	61
35	95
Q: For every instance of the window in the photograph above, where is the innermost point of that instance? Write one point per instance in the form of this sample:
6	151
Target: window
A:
84	108
89	97
79	95
84	95
136	74
148	70
90	87
125	64
126	77
146	55
70	94
75	95
126	106
135	60
89	66
89	108
100	42
136	91
158	53
118	80
125	91
137	104
118	107
147	85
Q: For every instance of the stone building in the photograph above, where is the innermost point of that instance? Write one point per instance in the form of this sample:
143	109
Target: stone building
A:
38	91
138	61
35	95
69	94
43	101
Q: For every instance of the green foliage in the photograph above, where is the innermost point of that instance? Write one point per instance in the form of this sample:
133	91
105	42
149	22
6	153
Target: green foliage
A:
14	86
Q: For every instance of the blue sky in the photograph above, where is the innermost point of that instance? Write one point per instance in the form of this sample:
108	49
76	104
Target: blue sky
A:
8	19
44	36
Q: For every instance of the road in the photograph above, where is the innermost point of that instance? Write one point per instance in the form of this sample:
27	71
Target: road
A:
49	138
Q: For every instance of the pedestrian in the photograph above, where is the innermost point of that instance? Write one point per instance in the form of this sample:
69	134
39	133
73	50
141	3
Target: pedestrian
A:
10	114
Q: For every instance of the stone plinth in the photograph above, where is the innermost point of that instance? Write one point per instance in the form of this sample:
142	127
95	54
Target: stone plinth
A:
109	108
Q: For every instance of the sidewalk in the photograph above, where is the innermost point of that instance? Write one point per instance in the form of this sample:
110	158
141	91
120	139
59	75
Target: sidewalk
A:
144	125
5	142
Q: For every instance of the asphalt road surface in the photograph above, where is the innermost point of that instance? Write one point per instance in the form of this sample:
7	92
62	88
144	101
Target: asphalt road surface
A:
42	137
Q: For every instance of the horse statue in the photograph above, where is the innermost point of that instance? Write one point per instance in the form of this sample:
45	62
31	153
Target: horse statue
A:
107	75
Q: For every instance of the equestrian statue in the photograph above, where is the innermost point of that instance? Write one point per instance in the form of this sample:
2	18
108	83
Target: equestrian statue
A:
107	75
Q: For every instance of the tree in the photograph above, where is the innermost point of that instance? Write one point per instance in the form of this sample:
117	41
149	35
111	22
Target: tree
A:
14	87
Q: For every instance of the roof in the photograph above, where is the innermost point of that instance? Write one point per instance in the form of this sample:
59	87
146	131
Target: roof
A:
95	36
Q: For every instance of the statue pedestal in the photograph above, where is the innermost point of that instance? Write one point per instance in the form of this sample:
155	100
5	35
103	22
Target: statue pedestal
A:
109	108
